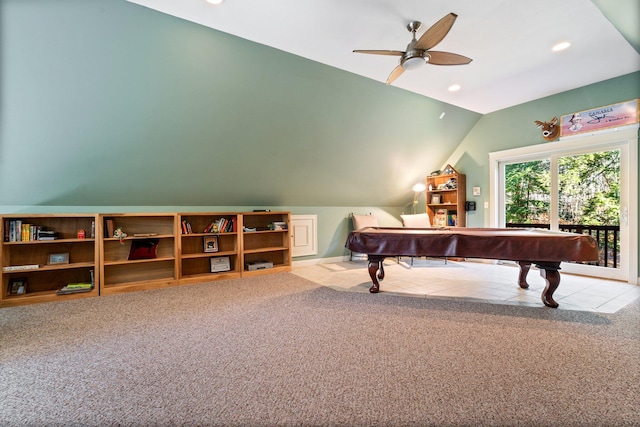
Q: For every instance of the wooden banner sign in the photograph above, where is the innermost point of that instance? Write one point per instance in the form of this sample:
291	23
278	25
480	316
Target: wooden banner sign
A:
610	116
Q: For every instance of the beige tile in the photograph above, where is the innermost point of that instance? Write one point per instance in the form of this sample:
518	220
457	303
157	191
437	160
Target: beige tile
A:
473	281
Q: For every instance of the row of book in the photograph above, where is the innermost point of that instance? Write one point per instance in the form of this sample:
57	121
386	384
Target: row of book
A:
17	231
220	225
444	218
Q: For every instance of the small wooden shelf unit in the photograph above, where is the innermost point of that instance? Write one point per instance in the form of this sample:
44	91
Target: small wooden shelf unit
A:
451	199
180	256
28	260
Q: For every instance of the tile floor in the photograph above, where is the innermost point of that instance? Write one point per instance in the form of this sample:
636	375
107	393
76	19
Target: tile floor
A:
474	281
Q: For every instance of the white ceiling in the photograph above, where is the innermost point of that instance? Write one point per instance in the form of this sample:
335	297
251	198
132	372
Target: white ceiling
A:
509	41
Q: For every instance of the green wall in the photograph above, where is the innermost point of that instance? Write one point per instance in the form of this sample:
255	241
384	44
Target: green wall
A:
117	104
107	106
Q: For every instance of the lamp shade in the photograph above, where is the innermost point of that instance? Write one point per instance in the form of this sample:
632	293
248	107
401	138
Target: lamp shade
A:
419	187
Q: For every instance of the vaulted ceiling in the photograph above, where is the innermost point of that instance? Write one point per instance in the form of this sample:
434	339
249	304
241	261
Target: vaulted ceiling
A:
509	41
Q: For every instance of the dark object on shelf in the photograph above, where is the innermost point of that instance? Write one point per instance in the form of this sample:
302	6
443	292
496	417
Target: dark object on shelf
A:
451	184
143	249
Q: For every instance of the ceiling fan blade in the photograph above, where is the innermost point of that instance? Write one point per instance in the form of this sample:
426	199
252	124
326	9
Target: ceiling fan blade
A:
395	74
436	32
447	58
381	52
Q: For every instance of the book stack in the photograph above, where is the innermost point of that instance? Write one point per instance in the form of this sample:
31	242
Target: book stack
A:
186	227
74	288
221	225
46	235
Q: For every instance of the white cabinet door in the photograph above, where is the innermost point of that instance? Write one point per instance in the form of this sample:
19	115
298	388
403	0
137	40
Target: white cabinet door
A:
304	235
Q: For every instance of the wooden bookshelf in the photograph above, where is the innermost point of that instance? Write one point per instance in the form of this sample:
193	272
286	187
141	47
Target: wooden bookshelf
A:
265	237
119	273
178	258
29	261
198	265
440	196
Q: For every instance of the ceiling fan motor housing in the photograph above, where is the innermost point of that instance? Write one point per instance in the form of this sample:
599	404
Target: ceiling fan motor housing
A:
414	59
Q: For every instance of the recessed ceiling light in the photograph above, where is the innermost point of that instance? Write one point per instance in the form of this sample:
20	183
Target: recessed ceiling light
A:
454	88
560	46
214	1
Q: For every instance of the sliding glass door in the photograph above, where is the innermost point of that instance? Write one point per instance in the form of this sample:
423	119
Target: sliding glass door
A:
575	187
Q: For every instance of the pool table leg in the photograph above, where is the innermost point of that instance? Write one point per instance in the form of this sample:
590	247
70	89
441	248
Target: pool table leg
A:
522	277
551	275
376	271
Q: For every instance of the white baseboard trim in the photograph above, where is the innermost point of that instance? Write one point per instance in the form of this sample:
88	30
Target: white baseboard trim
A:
315	261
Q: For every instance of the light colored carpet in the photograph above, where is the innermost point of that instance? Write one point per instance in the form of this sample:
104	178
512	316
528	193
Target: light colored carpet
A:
282	350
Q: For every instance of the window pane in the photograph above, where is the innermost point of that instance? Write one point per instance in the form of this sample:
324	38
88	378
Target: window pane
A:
589	200
589	189
527	198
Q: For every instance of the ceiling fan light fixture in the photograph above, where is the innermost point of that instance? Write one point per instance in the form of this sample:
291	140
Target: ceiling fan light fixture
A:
414	62
216	2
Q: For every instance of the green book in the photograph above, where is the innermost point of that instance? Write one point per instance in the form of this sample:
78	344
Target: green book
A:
78	285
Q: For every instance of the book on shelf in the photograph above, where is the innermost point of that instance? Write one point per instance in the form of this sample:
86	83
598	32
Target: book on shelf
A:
440	218
21	267
109	227
74	288
452	219
13	230
46	235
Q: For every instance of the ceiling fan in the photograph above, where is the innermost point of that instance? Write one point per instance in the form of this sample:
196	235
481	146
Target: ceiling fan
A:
418	52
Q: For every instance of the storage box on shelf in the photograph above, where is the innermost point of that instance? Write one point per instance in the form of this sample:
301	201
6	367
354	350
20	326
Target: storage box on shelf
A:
122	272
43	253
265	242
208	247
446	196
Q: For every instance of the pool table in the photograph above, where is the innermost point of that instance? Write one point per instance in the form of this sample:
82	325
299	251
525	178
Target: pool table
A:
544	248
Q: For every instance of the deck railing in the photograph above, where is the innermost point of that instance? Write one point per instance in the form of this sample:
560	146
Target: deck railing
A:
607	236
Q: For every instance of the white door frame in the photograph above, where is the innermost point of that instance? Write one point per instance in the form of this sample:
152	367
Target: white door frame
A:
625	139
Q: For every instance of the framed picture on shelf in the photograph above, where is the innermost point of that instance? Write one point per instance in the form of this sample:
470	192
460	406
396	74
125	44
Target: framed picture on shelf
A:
18	286
435	199
62	258
219	264
211	244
